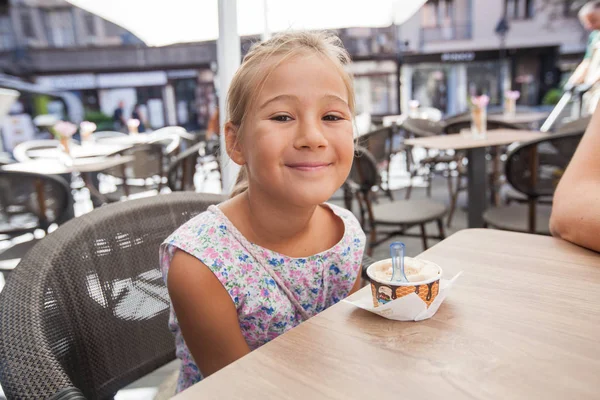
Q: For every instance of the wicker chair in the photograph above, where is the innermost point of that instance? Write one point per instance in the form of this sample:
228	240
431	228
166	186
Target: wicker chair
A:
533	169
29	202
401	214
144	173
418	127
379	144
577	125
85	313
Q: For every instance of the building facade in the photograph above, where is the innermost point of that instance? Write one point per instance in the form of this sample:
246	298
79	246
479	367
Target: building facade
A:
446	52
453	50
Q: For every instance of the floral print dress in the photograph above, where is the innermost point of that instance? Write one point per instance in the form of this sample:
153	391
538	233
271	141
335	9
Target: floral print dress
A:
264	309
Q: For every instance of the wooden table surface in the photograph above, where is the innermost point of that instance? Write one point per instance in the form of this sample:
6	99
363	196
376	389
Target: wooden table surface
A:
522	322
458	141
80	151
57	167
520	118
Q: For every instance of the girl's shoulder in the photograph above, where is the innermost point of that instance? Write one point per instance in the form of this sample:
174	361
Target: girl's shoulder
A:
351	224
206	233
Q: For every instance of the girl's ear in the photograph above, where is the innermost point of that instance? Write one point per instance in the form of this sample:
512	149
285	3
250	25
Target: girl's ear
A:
232	144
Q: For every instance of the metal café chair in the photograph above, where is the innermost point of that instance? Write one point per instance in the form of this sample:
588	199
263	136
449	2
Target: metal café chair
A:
399	215
534	169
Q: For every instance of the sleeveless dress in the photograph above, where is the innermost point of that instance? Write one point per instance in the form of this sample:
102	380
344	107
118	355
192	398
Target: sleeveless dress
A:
264	310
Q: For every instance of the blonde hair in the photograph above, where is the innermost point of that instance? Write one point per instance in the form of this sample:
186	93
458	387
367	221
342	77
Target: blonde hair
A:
254	71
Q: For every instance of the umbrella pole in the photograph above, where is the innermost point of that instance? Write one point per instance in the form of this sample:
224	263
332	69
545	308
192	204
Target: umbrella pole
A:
228	61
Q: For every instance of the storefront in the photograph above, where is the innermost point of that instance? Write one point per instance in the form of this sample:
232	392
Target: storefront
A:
447	80
173	97
375	86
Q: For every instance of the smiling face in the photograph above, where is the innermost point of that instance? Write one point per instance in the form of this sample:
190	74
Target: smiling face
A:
297	140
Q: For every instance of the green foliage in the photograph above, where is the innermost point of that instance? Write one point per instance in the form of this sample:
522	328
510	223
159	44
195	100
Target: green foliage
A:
103	122
552	97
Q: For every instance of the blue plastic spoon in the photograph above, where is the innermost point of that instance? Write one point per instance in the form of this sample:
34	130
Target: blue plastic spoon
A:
397	252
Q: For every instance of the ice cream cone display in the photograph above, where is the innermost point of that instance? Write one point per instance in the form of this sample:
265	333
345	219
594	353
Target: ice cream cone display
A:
479	116
64	131
510	102
64	142
132	125
423	280
86	129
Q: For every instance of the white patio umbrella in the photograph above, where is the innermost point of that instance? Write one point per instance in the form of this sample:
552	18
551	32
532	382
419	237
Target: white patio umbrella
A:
160	23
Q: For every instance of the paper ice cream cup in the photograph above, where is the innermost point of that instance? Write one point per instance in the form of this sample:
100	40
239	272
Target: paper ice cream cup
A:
384	291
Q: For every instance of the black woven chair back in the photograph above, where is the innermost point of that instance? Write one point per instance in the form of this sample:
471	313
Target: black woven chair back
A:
86	310
419	127
148	162
180	174
459	124
31	201
578	125
378	143
534	168
364	170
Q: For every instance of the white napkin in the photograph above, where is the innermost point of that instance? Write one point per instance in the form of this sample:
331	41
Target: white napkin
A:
406	308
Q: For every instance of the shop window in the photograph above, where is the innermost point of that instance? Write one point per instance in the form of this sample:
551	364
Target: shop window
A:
519	9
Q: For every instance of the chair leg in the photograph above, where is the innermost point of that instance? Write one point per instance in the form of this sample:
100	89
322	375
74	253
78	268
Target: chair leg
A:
453	201
409	189
424	236
440	224
450	187
429	183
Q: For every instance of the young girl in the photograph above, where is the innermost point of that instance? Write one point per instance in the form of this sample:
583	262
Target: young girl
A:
246	271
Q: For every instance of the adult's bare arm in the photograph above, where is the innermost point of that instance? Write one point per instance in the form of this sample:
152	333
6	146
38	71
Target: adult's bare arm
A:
576	205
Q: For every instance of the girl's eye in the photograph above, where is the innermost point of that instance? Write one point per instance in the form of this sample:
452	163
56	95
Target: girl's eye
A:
331	117
281	118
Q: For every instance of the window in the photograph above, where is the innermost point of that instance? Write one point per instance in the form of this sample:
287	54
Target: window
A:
90	24
27	23
437	13
519	9
6	34
60	29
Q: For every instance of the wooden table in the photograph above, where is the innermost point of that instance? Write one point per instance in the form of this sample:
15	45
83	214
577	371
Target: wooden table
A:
522	322
55	167
520	118
80	151
476	169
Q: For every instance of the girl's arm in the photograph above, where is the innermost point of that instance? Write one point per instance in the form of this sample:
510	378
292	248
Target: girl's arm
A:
576	203
207	316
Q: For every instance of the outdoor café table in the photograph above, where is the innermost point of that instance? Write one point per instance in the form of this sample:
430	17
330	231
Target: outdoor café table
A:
56	167
476	168
130	140
522	322
524	118
85	166
80	151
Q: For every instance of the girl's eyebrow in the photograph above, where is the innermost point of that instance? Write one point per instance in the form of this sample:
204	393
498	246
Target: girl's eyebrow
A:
289	97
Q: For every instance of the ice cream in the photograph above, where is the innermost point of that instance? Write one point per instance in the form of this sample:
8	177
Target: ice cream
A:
414	269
